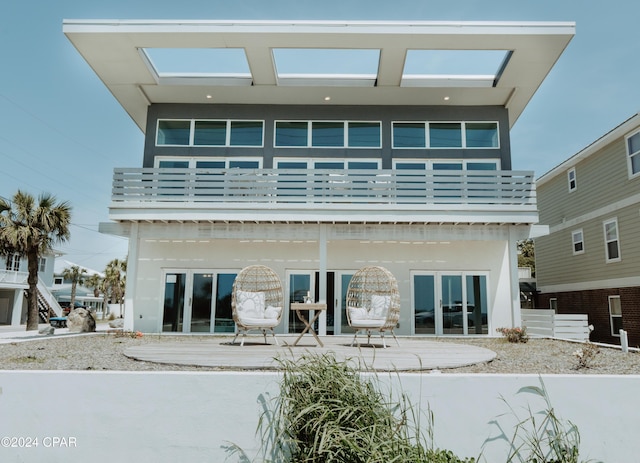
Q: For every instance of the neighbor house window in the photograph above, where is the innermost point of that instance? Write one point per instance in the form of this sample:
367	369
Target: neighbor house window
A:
615	315
578	241
571	178
633	149
611	240
553	304
13	263
42	264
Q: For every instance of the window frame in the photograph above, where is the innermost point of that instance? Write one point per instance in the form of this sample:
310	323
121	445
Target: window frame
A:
311	162
612	316
345	134
463	135
630	155
571	172
609	259
12	263
192	131
574	242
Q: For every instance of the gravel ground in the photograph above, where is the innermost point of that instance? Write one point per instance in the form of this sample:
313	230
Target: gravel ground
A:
105	352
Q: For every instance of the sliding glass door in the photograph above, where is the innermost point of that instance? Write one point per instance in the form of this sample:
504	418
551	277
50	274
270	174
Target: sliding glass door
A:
193	298
450	303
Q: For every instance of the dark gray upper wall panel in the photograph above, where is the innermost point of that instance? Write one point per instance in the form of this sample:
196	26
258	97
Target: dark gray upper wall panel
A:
385	114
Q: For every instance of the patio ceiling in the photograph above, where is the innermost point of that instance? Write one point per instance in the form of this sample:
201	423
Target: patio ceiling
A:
320	62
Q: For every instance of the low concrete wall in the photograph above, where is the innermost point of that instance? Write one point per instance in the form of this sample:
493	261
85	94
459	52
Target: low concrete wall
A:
192	416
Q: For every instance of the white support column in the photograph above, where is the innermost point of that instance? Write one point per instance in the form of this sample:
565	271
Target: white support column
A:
132	276
18	301
322	283
515	281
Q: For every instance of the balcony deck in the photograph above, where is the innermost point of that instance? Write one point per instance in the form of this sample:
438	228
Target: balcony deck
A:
323	195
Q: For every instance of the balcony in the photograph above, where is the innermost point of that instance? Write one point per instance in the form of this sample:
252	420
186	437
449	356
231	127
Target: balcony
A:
323	195
10	278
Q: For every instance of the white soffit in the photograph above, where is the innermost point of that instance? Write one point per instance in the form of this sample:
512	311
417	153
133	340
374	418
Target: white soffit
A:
121	54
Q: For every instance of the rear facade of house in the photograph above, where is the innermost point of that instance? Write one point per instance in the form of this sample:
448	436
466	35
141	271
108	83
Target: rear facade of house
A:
590	262
317	173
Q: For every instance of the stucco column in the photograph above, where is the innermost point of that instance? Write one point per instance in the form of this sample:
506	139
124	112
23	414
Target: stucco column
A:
132	276
513	273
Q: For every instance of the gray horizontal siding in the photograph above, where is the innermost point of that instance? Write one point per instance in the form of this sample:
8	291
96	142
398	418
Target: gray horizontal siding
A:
385	114
556	264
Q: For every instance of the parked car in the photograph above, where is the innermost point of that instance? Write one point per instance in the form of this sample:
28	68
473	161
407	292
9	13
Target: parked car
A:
66	306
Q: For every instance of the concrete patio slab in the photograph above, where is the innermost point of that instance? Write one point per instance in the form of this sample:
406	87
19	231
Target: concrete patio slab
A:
414	354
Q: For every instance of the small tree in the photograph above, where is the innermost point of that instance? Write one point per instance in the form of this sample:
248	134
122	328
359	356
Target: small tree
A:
527	255
76	275
116	279
94	282
30	228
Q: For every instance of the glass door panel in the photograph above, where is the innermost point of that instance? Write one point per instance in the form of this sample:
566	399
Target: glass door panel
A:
452	307
174	290
201	301
345	278
424	300
477	304
223	318
299	289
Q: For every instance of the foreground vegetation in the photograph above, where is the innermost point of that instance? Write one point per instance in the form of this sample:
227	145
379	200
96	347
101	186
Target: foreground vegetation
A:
327	411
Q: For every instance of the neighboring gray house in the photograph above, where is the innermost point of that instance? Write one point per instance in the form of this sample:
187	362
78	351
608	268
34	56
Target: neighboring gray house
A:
316	148
13	283
590	261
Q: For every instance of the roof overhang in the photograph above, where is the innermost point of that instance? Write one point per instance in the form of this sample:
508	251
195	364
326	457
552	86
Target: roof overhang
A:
116	51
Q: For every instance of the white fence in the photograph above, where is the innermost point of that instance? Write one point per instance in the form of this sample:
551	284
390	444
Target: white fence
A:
544	322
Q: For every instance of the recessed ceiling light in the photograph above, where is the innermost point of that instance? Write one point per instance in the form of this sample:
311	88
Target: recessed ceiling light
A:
446	98
327	98
209	97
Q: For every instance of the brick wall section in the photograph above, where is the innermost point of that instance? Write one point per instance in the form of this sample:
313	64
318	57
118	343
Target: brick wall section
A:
595	303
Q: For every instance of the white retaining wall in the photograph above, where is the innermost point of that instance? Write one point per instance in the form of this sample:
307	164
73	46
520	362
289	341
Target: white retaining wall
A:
192	416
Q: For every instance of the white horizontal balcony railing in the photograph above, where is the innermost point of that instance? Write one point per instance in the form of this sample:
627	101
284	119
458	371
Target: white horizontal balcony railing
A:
9	276
356	187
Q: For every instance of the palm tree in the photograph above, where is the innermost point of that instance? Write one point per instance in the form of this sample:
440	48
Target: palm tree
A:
114	274
31	228
94	282
75	274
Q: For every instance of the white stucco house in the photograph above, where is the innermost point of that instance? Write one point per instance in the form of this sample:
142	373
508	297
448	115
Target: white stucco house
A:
316	148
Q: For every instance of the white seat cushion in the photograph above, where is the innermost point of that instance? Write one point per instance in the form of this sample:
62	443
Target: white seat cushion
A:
358	313
272	312
379	306
368	323
259	322
250	305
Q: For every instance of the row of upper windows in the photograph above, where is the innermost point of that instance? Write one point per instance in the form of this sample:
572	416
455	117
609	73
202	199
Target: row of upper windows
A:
323	163
327	134
633	161
611	241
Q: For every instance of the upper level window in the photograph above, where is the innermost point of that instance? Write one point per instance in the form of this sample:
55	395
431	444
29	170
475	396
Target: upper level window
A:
578	241
571	178
42	264
421	164
210	133
327	134
445	135
633	149
337	164
13	263
611	240
417	134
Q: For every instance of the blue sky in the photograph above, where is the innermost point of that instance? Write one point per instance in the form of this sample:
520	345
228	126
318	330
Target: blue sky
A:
62	132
